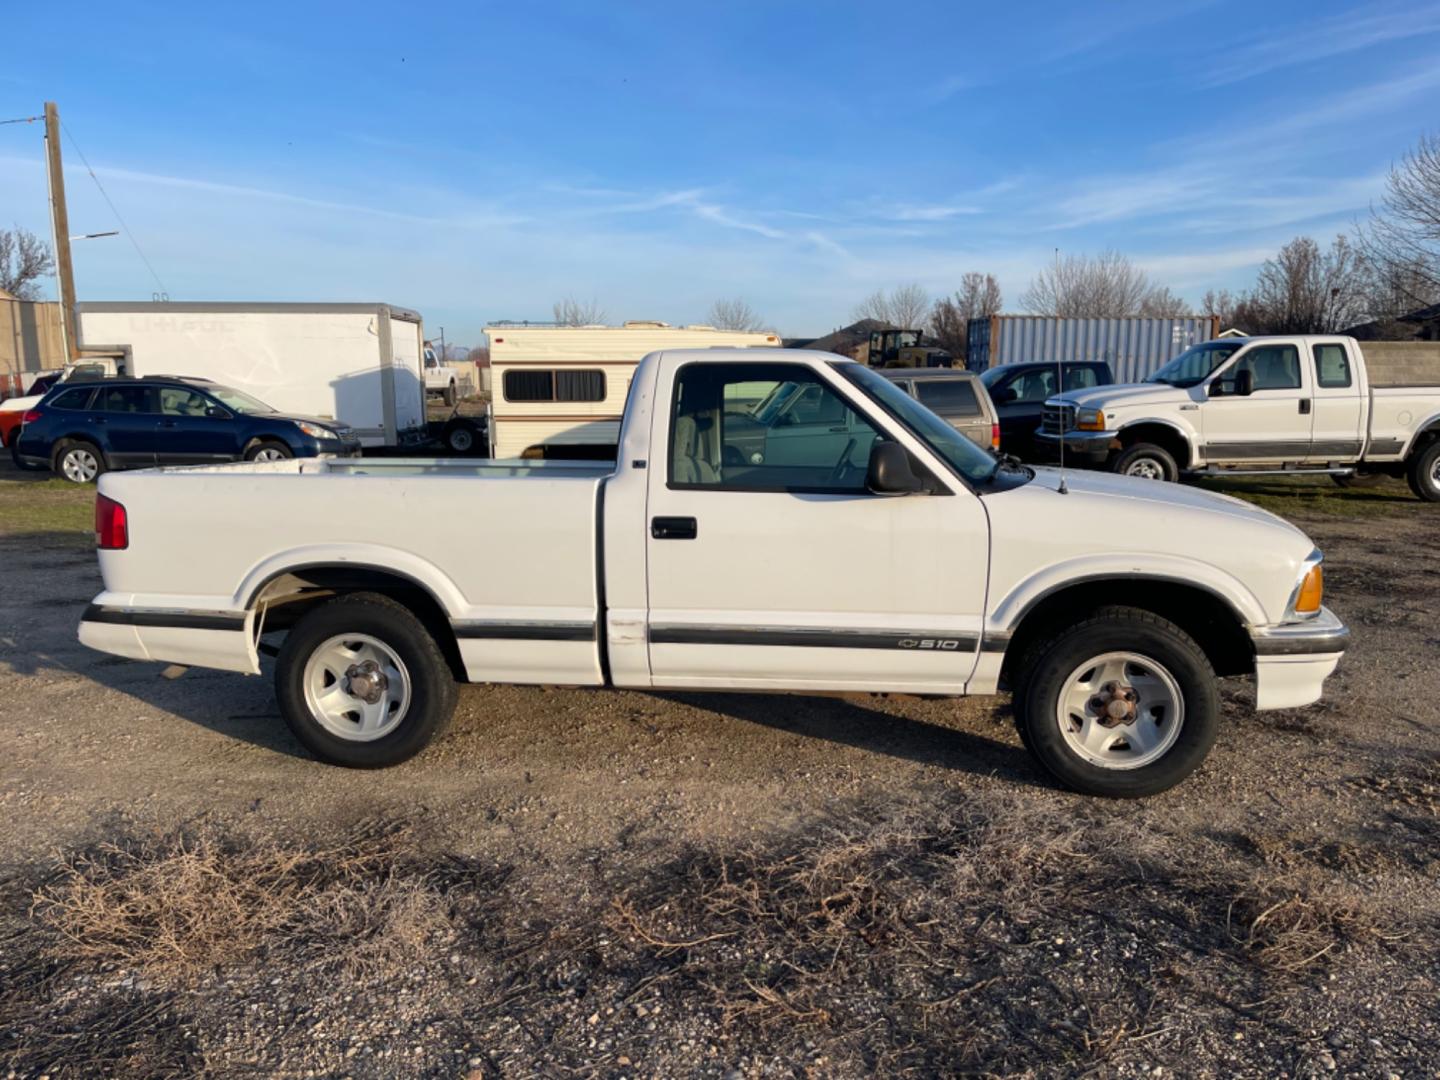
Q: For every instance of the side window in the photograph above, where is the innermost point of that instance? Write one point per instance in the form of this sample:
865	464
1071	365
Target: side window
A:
948	397
176	401
77	398
126	399
548	385
1272	367
765	427
1080	377
1034	385
1332	366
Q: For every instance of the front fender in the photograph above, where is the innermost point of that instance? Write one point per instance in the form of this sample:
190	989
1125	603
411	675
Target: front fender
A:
1007	615
1188	434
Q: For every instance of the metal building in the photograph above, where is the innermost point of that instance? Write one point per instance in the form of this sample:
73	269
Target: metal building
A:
1133	347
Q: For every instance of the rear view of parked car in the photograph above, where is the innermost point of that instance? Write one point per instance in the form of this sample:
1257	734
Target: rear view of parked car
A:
80	430
1019	392
957	397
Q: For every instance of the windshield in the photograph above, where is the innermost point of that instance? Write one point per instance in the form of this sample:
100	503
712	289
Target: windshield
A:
235	401
767	409
1195	364
971	462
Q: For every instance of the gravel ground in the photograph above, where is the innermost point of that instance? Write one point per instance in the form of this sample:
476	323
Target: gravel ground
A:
725	885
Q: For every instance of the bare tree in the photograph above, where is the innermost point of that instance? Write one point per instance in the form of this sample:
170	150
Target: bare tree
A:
1222	305
479	355
1304	290
1401	241
977	298
24	260
1161	303
906	307
734	314
1104	286
571	312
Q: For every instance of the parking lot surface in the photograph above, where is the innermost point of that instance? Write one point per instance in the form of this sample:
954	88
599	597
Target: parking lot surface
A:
637	884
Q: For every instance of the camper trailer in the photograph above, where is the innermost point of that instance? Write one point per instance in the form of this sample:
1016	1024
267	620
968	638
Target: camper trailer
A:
558	391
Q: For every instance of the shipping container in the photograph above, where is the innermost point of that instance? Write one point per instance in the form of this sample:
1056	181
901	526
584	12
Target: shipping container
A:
1134	348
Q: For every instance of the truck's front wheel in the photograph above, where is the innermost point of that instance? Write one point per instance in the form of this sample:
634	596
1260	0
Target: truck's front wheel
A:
1147	462
361	682
1124	704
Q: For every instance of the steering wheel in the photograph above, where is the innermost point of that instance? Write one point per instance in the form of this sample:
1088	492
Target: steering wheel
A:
843	465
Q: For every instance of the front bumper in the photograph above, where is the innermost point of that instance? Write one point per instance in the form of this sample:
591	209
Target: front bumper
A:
1292	661
1085	448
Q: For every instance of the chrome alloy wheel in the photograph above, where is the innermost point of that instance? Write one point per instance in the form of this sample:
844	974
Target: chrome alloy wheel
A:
356	687
1146	469
1120	710
79	465
269	453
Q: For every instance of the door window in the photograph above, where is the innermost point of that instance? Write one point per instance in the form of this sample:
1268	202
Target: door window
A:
1080	377
797	435
1034	385
948	397
1332	366
126	399
1272	367
176	401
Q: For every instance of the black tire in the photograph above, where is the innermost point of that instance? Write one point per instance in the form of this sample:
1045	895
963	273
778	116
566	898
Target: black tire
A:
259	446
66	448
1146	457
433	692
1358	480
1051	662
462	437
450	395
1423	472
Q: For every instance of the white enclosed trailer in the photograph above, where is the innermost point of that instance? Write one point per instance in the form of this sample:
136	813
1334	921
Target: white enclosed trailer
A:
360	364
559	391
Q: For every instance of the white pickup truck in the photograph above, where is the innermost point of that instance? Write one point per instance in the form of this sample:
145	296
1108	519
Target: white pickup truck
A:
440	378
885	554
1262	404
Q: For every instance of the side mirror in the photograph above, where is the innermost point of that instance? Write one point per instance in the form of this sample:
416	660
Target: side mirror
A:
889	471
1244	382
214	412
1004	397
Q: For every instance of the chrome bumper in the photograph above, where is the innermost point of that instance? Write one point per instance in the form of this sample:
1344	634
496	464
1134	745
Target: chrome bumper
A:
1325	633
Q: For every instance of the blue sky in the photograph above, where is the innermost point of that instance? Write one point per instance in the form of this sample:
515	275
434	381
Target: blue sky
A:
478	161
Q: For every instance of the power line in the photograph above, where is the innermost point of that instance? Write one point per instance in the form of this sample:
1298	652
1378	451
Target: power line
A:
22	120
110	202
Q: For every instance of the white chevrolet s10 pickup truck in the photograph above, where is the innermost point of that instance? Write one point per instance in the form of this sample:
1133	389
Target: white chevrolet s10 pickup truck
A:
1263	405
858	544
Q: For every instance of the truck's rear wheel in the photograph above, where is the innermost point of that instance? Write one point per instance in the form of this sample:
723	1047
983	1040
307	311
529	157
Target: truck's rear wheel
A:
1146	461
1124	704
1424	472
361	683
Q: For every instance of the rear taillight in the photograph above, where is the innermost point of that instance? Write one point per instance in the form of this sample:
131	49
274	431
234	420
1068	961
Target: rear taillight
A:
30	416
994	436
112	531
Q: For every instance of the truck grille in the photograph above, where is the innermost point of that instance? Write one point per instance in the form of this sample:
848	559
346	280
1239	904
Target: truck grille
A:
1057	419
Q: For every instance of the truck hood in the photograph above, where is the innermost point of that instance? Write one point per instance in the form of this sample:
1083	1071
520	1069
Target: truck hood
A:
1123	526
1108	397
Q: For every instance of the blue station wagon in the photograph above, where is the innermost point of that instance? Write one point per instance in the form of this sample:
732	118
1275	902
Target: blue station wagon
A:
81	429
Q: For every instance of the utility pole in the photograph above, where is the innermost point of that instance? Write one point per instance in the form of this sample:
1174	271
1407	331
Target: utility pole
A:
60	225
442	344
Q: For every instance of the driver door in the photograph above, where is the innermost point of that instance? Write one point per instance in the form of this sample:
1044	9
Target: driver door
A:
786	572
1271	424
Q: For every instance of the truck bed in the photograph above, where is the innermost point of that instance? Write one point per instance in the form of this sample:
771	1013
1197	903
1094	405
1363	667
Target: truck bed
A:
527	531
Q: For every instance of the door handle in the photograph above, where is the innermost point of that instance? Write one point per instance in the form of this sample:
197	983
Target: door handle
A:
674	528
1304	405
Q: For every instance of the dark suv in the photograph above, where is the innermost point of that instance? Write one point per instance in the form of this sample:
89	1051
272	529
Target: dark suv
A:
80	429
1019	392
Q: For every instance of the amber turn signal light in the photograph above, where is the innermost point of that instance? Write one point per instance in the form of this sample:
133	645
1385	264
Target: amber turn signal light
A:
1312	591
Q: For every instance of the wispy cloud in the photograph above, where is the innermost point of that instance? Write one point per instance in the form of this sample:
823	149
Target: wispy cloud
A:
1303	42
